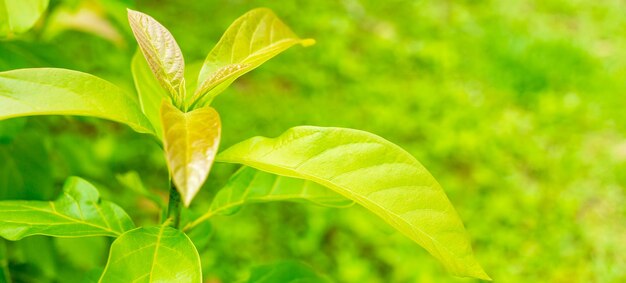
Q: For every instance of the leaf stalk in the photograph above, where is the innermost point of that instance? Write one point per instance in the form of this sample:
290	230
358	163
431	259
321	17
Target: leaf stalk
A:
174	206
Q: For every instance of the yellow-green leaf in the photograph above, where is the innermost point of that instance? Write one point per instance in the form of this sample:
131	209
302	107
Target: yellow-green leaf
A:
191	140
374	173
153	254
48	91
252	39
161	52
79	212
18	16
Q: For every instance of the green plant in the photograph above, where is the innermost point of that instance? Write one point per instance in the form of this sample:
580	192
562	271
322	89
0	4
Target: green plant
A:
328	166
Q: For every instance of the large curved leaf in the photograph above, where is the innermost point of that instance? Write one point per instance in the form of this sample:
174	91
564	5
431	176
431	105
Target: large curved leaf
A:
190	140
252	39
249	186
49	91
161	52
18	16
376	174
153	254
79	212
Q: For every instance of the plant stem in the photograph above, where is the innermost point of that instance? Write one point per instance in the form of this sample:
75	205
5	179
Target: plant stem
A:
174	207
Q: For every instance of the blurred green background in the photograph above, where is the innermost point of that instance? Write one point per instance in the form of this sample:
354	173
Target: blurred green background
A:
516	107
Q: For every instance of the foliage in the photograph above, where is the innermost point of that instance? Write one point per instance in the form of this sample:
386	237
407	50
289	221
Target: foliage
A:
326	165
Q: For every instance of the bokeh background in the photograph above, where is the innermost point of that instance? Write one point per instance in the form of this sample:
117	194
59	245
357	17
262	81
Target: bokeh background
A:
518	108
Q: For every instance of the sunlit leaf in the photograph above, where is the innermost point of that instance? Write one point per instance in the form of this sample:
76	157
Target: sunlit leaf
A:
285	272
18	16
374	173
153	254
252	39
48	91
79	212
191	140
249	185
161	52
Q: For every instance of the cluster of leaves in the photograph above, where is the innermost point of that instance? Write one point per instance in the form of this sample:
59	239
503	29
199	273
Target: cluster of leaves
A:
328	166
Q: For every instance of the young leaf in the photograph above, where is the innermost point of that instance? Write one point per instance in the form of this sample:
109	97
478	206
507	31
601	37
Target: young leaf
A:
374	173
48	91
150	92
153	254
79	212
285	272
252	39
249	186
18	16
161	52
190	140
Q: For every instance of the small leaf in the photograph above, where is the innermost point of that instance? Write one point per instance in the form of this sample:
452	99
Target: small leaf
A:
48	91
153	254
161	52
252	39
191	140
249	186
285	272
79	212
376	174
18	16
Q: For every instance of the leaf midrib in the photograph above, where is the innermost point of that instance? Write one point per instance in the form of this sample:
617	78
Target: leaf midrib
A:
156	250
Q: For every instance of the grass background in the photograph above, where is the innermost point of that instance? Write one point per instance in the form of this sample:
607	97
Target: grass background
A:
516	107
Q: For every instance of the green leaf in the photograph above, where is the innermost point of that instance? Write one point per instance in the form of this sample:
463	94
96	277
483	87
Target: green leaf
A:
48	91
79	212
190	140
18	16
150	92
162	54
153	254
252	39
376	174
285	272
249	186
